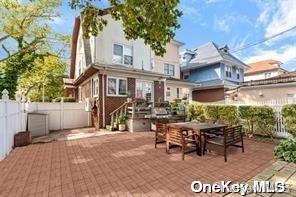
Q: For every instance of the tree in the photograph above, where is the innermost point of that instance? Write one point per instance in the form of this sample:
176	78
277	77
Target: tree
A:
154	21
45	77
24	37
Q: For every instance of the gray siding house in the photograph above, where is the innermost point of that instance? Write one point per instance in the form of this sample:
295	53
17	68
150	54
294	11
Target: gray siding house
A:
213	69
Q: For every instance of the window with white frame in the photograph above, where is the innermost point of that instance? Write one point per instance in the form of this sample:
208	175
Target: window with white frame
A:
179	92
267	75
237	71
95	86
144	90
122	54
228	71
116	86
169	69
168	92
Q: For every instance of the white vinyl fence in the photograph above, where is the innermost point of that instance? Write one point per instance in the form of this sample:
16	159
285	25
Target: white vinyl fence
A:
13	118
63	115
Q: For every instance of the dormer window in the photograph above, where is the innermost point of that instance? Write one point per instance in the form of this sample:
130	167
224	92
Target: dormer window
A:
122	54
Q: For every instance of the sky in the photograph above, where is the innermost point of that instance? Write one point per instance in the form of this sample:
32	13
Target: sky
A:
237	23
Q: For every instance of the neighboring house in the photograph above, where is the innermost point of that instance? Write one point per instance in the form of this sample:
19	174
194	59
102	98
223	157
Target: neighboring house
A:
213	70
263	70
109	66
275	88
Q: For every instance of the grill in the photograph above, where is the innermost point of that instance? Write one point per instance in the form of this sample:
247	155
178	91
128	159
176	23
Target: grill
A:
158	114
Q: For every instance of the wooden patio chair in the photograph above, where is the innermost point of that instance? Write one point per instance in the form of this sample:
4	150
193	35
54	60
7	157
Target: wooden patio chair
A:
231	137
177	137
160	133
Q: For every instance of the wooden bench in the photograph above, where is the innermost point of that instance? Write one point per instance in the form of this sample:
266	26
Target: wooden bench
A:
231	136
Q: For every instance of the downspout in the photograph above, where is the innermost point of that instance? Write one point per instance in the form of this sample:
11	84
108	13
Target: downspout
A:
103	100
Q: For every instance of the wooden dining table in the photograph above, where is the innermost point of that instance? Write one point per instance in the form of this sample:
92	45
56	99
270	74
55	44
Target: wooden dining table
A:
198	128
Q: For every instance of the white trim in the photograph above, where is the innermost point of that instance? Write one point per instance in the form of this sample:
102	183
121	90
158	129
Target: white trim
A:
117	86
96	77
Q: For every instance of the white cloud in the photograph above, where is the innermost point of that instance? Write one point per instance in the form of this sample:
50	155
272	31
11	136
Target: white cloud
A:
284	54
277	16
191	11
211	1
223	24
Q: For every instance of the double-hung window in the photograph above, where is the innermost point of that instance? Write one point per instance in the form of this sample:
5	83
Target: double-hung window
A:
169	69
122	54
228	71
116	86
95	86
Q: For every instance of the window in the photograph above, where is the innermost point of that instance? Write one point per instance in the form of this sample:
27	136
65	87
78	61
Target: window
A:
237	73
267	75
144	90
116	86
169	69
228	71
186	76
122	54
179	91
95	87
168	92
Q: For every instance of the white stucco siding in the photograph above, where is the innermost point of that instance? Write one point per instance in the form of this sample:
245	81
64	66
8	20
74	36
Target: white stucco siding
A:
170	57
184	90
113	34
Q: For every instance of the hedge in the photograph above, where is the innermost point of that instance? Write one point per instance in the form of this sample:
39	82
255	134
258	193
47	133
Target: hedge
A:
66	100
289	115
256	120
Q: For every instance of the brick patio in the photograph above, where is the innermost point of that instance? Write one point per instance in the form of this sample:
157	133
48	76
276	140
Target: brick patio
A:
121	165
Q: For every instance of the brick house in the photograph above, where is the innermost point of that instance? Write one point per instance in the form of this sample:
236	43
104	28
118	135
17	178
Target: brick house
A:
108	67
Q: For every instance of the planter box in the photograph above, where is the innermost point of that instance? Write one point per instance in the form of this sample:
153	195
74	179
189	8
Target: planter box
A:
23	138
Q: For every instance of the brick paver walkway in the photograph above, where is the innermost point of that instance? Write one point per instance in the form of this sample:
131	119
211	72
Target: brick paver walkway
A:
122	164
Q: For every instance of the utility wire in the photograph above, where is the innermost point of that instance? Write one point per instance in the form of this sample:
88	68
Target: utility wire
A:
252	44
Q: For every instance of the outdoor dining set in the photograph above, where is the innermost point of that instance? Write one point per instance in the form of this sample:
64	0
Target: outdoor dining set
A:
198	137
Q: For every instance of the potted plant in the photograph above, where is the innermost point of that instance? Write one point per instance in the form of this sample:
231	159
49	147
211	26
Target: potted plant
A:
121	122
129	97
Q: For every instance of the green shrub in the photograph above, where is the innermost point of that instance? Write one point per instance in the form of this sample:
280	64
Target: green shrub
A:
195	113
286	150
264	121
66	99
246	116
258	120
289	114
228	114
211	112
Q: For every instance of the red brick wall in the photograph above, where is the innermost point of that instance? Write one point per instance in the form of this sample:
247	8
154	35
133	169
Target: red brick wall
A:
113	102
158	91
210	95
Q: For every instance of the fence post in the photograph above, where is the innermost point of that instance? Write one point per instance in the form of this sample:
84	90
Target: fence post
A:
5	98
62	114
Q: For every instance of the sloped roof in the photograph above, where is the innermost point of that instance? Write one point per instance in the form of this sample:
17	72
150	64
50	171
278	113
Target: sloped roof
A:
210	53
287	77
263	66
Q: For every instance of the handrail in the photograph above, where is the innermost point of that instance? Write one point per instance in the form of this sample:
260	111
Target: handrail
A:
121	106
